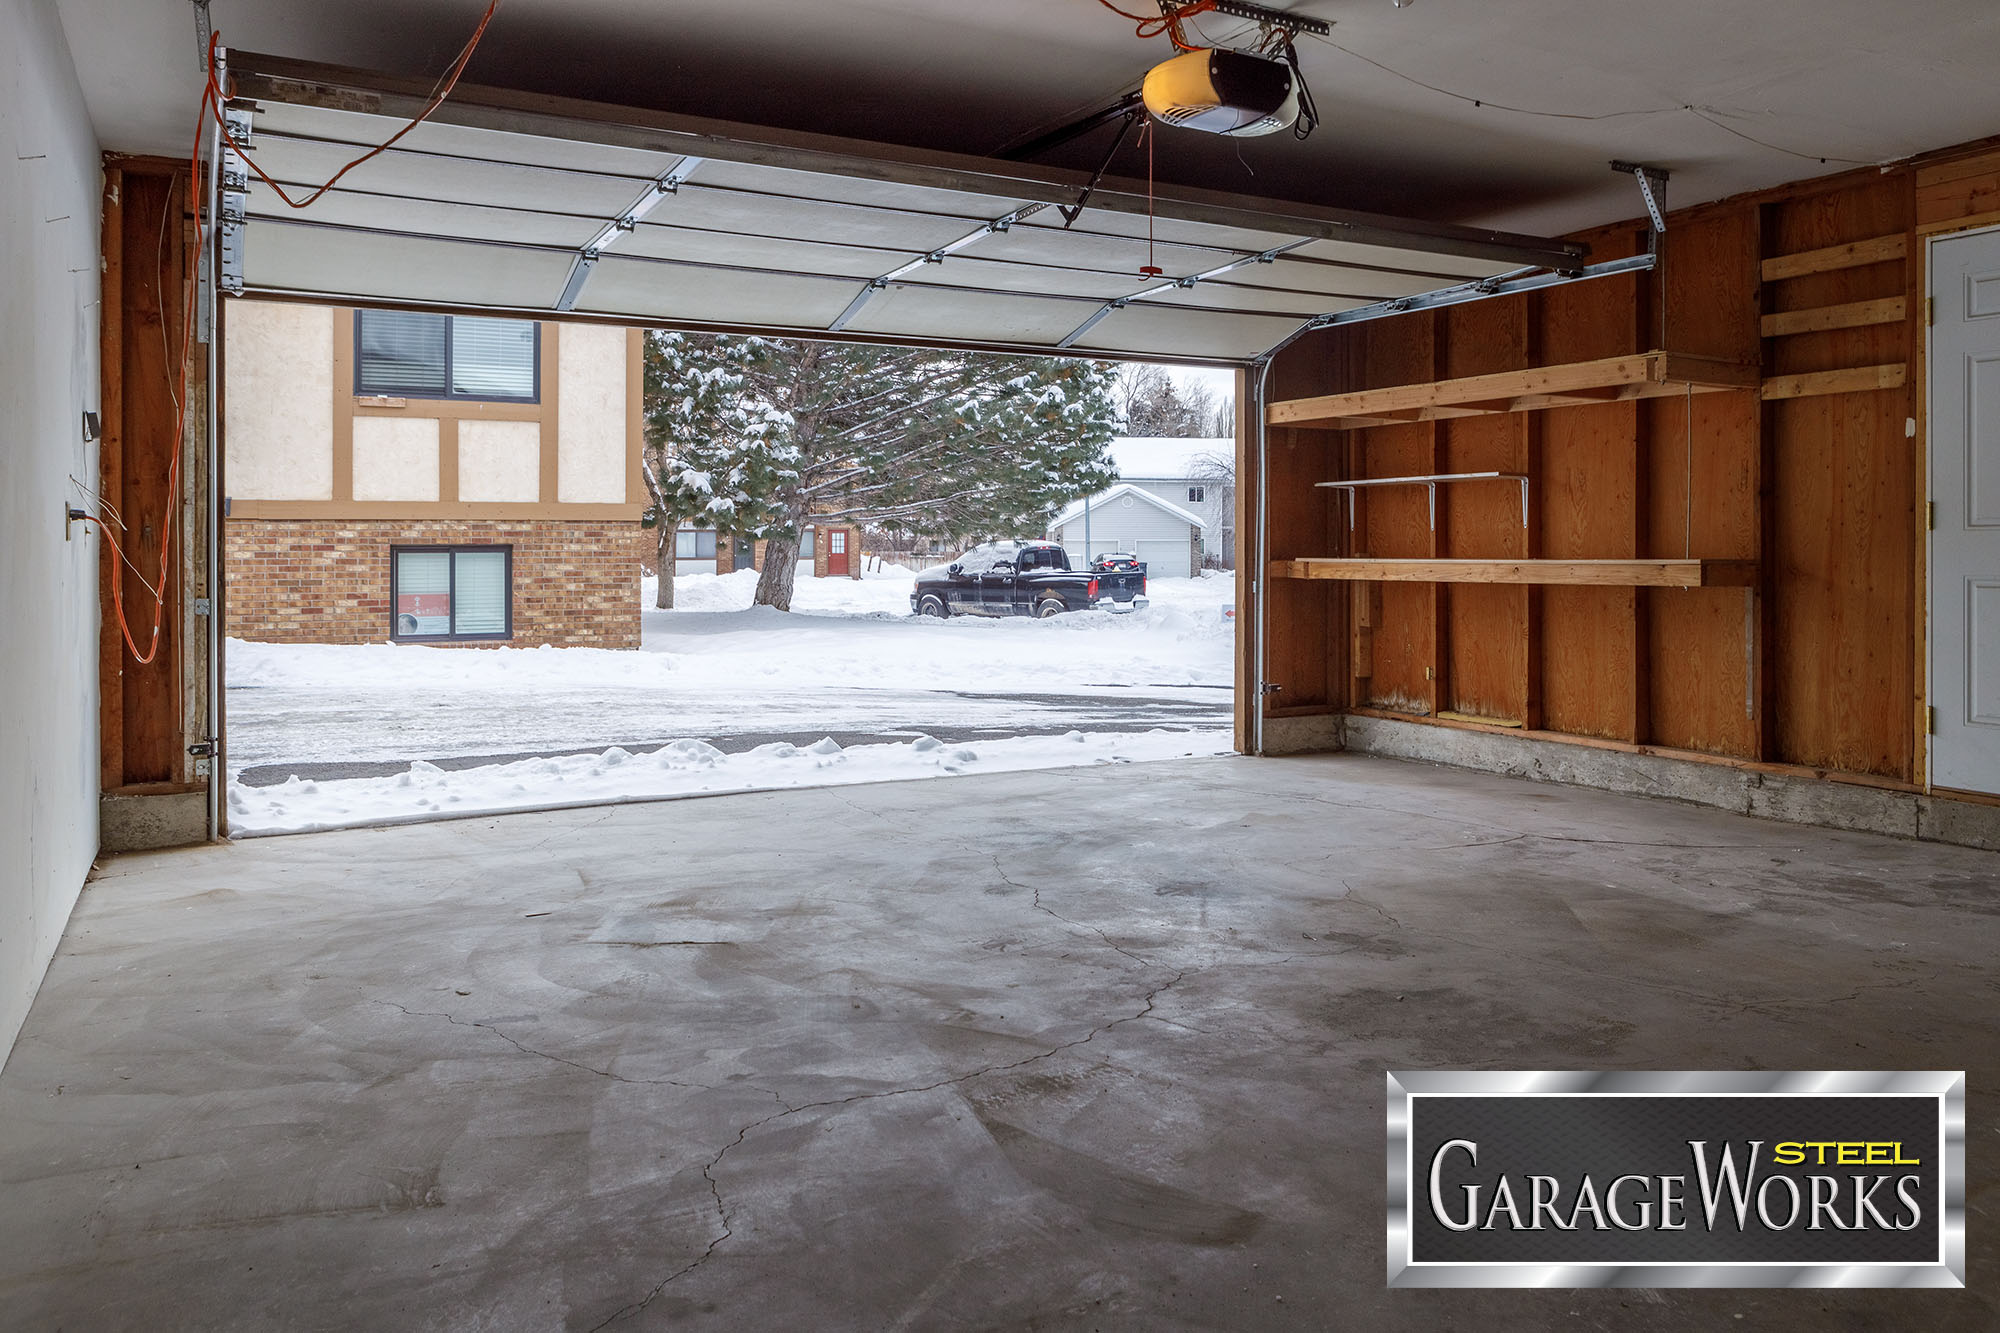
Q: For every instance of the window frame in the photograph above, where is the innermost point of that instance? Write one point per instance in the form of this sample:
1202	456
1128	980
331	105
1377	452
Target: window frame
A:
714	543
424	395
451	585
1197	495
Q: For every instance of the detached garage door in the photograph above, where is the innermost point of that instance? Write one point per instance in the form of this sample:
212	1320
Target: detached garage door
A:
543	206
1165	560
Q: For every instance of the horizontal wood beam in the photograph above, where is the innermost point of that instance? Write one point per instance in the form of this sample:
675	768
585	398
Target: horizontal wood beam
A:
1857	379
1598	573
1876	250
1582	383
1853	315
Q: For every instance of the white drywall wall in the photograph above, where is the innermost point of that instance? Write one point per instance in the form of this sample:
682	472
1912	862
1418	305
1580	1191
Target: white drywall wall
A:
49	191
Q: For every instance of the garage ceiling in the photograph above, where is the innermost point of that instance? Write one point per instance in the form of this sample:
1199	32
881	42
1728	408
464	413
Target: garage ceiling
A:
534	204
1497	115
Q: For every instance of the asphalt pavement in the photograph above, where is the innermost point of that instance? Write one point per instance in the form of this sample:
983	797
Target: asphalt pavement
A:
276	734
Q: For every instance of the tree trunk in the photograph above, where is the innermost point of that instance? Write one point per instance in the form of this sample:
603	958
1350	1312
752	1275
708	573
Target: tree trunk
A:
664	564
774	582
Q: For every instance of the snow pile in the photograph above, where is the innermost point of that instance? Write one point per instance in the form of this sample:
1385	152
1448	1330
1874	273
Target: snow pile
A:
684	767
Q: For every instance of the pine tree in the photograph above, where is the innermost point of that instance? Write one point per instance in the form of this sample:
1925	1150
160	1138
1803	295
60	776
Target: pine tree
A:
760	436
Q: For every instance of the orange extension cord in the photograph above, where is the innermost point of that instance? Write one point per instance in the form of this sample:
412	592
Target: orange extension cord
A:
1169	22
212	100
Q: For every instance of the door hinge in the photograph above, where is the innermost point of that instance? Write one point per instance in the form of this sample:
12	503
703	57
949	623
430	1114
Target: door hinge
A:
1930	312
202	606
1930	721
1930	515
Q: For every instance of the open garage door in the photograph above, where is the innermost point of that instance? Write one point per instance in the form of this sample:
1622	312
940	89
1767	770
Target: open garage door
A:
537	205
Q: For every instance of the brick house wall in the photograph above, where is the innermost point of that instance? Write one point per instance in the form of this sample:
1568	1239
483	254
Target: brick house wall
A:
576	582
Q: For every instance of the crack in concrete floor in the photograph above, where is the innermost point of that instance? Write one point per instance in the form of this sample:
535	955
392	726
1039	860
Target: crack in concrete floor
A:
708	1169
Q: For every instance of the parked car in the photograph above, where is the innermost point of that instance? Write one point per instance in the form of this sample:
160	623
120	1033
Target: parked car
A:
1023	579
1117	560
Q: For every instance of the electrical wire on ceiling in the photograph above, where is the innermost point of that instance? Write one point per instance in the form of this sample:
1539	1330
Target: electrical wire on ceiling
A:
1707	113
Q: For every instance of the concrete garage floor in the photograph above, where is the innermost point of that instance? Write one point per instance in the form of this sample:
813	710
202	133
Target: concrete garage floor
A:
1089	1049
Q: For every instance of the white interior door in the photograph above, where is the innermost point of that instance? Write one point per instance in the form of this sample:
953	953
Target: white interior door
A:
1965	487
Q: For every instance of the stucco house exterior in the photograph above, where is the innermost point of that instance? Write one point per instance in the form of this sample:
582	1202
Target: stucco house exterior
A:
1192	473
1128	517
429	478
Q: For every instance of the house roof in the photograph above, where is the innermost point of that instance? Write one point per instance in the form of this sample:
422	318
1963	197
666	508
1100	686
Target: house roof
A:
1103	498
1166	458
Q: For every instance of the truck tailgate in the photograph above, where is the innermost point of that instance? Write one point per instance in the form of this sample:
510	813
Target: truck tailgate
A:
1120	587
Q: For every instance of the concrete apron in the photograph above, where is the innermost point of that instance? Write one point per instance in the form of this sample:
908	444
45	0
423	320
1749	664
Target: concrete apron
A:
1075	1049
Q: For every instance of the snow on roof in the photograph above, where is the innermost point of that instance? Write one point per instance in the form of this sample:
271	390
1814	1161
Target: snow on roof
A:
1167	458
1102	498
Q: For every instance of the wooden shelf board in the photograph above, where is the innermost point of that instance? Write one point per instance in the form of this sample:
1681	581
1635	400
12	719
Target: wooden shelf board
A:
1856	379
1853	315
1876	250
1601	573
1578	384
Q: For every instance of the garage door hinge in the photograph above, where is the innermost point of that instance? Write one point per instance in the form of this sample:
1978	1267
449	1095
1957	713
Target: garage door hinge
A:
202	606
202	749
1269	687
1930	721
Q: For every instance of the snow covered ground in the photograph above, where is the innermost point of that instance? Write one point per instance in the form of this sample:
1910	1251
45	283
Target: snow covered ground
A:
849	658
685	767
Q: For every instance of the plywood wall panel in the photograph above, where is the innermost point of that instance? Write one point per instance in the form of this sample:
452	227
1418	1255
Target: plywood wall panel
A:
1485	636
1817	665
1587	496
152	296
1395	520
1701	493
1842	549
1302	654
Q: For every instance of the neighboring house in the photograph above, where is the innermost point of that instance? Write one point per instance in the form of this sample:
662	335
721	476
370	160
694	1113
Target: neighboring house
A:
823	551
1197	474
429	478
1130	518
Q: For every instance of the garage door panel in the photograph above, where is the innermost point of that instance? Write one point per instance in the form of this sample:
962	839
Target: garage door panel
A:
1166	331
468	181
926	312
715	247
301	258
359	132
429	217
1165	231
805	220
1231	296
965	271
1451	267
536	205
1103	254
1373	284
706	296
968	208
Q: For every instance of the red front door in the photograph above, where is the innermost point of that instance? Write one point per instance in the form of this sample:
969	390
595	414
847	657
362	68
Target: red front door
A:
836	552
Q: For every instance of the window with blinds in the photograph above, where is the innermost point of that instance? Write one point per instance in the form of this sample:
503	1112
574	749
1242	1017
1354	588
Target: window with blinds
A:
694	544
451	592
405	354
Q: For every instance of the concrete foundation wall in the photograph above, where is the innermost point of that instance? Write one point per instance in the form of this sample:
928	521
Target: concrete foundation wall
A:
1794	799
49	189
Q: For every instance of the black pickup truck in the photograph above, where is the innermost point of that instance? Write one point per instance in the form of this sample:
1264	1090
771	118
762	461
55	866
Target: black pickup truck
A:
1024	579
